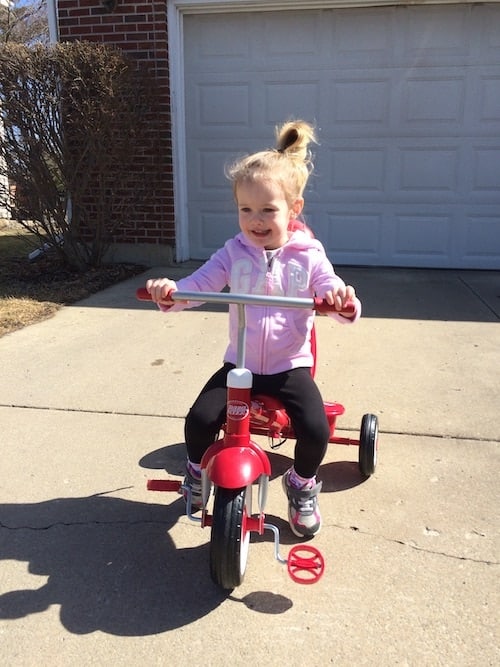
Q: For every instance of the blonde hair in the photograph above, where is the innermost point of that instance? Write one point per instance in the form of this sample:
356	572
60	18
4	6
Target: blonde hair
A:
289	164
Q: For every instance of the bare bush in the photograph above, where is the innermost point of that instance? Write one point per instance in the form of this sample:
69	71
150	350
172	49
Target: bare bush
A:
79	142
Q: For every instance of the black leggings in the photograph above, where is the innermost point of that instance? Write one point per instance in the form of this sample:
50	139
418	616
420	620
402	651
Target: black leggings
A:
297	391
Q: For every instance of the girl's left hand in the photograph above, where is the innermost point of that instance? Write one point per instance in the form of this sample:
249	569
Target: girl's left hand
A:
340	296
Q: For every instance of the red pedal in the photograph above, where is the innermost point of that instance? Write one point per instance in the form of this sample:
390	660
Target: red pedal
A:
305	564
163	485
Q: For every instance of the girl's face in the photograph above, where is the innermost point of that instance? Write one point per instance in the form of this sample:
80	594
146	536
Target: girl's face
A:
264	213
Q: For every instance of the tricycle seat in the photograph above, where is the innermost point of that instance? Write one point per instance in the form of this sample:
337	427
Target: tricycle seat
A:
268	417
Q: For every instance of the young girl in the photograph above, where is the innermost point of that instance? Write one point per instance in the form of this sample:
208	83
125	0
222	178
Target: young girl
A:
267	258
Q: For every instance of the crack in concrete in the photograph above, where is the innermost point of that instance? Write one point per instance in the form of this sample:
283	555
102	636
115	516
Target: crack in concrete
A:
416	547
479	297
392	540
90	411
72	524
346	428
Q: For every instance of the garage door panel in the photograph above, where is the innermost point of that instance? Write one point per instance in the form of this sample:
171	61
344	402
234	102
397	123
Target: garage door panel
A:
486	171
346	228
354	43
224	45
480	239
360	103
432	101
223	104
352	170
434	98
428	170
422	236
488	109
440	33
217	224
209	165
303	96
490	37
298	41
358	171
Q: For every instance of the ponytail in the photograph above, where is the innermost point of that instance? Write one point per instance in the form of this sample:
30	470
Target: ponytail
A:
294	138
289	163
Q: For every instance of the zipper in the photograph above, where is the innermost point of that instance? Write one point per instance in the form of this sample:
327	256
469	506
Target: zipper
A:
265	329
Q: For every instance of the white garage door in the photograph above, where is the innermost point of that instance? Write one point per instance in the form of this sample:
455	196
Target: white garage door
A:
407	103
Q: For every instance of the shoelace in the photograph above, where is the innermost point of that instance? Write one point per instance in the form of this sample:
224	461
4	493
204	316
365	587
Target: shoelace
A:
305	505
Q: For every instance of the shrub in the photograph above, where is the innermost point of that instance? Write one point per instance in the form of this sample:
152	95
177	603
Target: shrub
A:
79	141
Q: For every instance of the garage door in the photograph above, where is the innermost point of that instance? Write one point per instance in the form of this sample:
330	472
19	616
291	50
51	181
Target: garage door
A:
407	104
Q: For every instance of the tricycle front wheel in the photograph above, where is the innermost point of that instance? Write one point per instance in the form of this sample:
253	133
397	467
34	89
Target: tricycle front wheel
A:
230	538
368	438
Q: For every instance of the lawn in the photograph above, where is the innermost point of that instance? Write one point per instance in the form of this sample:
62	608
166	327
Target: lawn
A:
33	291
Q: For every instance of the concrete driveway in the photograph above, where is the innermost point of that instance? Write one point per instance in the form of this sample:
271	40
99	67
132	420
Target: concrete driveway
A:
98	571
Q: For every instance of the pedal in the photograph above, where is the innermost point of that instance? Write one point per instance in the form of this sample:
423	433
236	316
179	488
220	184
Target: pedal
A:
164	485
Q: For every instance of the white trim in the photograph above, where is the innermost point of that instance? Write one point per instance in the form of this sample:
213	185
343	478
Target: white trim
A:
53	21
175	26
178	124
206	6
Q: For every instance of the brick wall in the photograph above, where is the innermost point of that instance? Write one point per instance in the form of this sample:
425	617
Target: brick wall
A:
139	29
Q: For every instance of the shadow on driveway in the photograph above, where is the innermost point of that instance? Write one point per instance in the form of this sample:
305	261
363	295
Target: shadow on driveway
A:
111	565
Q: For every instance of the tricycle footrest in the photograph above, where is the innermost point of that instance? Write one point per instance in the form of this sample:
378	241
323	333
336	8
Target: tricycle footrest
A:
163	485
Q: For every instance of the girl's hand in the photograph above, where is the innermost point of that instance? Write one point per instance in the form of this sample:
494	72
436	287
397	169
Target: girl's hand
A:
340	296
160	290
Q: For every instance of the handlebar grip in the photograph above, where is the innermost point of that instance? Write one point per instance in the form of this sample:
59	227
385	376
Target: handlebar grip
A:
142	294
322	307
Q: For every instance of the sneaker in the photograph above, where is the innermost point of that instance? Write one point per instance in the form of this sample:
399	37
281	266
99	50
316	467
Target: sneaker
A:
192	487
303	510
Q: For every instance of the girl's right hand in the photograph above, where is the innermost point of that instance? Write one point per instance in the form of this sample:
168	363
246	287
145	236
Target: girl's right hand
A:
160	290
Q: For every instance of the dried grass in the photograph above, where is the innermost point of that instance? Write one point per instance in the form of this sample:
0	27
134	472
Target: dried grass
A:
34	291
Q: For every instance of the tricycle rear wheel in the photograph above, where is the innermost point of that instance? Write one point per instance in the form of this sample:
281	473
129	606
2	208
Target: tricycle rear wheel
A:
368	445
229	539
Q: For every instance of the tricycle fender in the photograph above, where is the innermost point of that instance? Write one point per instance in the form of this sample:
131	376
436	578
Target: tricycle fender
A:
236	466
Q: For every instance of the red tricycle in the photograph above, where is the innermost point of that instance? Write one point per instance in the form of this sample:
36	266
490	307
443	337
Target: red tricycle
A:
234	464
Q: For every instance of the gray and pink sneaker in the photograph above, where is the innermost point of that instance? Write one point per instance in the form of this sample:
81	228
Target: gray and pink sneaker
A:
303	509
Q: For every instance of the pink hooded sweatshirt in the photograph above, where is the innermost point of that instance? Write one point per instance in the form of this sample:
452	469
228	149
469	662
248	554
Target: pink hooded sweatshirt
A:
278	339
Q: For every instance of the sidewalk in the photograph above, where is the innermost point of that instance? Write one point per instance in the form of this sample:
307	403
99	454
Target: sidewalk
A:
96	570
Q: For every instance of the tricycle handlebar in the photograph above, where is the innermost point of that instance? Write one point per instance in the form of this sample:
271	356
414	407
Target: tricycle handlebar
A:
320	305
